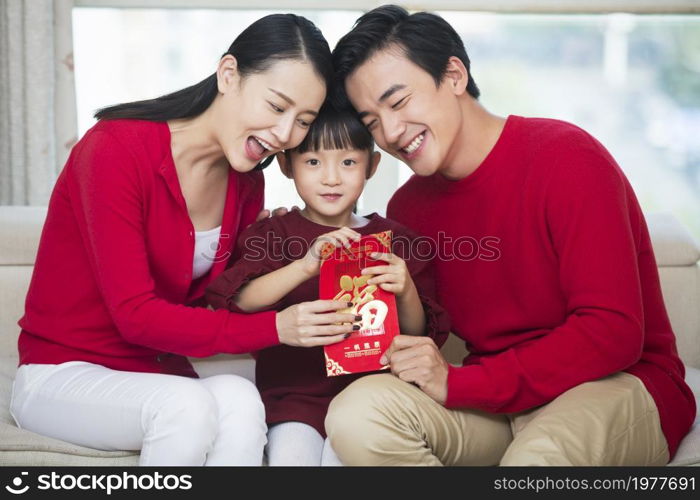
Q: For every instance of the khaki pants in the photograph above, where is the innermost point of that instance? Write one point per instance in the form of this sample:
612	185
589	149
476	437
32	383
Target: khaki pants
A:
381	420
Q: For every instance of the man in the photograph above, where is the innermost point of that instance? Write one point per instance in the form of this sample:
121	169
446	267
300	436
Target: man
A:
573	360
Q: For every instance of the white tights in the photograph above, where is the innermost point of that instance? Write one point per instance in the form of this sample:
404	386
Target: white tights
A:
295	443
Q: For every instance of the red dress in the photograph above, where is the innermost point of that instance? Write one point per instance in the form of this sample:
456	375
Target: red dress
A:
292	380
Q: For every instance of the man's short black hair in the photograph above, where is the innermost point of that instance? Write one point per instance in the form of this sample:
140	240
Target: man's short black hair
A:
335	129
427	40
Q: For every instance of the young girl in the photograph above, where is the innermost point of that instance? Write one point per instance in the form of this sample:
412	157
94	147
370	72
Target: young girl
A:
278	265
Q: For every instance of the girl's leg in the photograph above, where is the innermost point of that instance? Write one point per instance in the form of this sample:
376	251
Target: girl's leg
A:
328	457
293	443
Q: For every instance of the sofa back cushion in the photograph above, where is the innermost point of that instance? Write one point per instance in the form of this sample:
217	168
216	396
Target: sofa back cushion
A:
676	253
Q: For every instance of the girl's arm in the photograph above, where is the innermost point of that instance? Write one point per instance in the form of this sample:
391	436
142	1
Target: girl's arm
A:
411	313
266	290
270	288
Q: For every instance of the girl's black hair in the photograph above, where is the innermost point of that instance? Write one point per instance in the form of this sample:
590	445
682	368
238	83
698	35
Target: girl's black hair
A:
268	40
426	39
335	129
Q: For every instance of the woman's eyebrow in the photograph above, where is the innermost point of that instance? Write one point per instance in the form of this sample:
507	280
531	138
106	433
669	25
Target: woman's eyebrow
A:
290	100
283	96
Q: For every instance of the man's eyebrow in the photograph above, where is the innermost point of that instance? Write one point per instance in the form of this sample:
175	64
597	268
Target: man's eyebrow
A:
386	95
290	100
391	91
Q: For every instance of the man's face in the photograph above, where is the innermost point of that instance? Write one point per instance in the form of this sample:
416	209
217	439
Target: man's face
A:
408	116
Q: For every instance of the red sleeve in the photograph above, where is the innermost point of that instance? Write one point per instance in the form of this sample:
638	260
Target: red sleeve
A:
595	239
108	200
257	253
406	245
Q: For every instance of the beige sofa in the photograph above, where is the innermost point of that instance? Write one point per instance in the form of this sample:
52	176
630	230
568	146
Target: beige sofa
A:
20	228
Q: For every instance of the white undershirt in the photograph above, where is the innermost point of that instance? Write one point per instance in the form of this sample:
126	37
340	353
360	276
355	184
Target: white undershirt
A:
205	246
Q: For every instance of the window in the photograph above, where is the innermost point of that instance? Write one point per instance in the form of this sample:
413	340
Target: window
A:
632	81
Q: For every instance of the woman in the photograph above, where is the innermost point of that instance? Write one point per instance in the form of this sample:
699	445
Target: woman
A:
115	303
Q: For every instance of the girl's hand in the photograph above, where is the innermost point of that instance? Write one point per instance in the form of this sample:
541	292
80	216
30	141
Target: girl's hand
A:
315	323
393	277
343	237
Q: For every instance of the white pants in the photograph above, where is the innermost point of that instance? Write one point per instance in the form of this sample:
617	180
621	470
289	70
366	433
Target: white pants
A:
173	420
296	443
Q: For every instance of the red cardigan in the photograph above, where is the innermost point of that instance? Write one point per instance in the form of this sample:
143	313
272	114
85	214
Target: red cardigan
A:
548	274
112	282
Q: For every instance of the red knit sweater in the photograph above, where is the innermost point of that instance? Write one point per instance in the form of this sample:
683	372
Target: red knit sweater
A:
112	282
548	274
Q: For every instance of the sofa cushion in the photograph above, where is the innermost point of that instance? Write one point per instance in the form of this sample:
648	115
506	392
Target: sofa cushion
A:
14	282
7	375
21	229
21	447
689	450
681	291
673	244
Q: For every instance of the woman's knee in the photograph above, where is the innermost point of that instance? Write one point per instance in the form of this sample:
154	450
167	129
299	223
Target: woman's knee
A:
235	396
186	405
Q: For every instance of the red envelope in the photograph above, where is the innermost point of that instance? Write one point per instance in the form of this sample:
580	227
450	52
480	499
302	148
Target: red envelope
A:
340	279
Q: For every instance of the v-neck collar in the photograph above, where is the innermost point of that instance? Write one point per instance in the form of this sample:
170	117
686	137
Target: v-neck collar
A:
229	223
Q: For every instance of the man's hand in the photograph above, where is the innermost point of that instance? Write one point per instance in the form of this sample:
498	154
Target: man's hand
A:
265	213
418	360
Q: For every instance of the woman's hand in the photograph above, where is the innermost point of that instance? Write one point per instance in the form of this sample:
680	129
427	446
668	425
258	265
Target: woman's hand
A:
311	262
393	277
315	323
265	213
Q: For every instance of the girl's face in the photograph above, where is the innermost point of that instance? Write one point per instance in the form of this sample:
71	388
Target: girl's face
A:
330	180
266	112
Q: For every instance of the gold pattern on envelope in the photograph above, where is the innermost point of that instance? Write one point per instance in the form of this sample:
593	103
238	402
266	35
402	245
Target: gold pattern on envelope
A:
384	238
334	368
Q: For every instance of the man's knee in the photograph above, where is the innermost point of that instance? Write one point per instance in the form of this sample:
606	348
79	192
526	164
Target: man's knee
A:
540	450
358	418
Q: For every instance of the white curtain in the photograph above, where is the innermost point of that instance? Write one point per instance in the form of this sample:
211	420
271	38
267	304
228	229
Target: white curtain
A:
38	124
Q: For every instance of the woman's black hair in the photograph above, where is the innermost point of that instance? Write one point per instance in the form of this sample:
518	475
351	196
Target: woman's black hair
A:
335	129
268	40
426	39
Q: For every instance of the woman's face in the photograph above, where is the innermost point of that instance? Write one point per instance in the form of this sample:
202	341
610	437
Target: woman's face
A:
267	112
